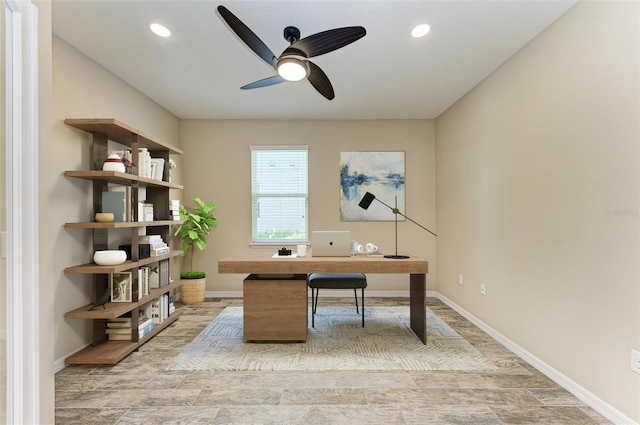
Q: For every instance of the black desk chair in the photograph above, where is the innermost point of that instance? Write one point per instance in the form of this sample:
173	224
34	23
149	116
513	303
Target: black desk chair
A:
354	281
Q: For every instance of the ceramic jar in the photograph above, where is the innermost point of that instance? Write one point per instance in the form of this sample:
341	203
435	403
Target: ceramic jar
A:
113	163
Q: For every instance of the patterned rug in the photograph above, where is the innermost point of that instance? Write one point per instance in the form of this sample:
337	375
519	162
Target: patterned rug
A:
338	342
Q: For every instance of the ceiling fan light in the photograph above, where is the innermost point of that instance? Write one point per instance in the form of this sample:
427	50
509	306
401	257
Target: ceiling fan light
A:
160	30
292	69
420	31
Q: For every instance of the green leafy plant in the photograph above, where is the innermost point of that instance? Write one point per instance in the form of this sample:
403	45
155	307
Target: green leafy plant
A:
192	275
195	227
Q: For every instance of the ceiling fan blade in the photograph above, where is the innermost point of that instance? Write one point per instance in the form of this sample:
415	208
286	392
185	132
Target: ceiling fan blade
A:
326	41
320	81
276	79
248	36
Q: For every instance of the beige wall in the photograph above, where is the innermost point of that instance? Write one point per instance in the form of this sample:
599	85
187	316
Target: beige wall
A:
217	168
537	190
538	198
81	89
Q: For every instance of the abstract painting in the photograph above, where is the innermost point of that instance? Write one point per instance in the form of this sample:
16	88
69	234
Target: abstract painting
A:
382	174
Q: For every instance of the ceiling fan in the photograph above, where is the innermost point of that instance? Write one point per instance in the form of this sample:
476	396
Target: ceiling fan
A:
293	63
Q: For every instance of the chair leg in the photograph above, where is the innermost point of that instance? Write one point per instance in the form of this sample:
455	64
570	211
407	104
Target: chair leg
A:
314	306
363	307
355	294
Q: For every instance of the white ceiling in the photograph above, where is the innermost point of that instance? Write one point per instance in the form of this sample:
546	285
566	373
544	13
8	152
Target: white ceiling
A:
198	72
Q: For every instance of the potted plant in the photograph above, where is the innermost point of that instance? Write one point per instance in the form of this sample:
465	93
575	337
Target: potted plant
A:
194	229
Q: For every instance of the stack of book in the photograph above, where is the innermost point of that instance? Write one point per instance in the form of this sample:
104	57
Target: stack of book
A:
156	245
174	209
119	329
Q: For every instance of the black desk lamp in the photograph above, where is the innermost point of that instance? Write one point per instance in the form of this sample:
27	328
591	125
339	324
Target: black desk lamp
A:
368	198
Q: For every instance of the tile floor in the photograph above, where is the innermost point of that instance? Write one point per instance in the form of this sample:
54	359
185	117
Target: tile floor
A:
139	391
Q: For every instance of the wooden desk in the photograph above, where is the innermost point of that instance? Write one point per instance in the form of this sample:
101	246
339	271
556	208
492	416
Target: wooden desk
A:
417	269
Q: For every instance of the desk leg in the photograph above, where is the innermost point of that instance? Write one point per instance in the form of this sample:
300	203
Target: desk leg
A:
417	305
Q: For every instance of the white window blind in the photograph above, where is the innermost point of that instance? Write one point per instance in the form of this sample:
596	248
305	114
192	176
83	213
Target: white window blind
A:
279	176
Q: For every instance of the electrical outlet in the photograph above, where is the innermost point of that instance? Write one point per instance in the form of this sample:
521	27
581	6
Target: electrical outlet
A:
460	280
483	289
635	361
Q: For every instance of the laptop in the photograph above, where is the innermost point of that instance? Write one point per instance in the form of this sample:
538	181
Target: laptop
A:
330	243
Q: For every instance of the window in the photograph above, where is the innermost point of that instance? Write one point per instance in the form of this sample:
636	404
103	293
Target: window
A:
279	194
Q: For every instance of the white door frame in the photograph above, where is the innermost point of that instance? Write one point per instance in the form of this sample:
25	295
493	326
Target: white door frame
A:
23	360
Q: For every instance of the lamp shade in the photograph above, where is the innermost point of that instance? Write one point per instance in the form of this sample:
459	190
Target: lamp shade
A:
367	199
292	69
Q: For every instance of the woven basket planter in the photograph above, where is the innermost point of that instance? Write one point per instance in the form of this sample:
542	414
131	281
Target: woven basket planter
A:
192	291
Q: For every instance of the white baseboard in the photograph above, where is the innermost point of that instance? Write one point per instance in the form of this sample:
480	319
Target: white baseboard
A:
59	364
580	392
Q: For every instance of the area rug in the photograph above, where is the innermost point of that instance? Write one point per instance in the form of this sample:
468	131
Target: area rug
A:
338	342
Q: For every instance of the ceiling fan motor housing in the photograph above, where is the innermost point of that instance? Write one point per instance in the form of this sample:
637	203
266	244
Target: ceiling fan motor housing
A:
291	34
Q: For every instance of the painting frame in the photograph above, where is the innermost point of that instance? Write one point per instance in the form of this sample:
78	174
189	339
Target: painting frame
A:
380	172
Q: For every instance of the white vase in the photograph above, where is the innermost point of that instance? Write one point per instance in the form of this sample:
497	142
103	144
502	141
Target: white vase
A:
113	163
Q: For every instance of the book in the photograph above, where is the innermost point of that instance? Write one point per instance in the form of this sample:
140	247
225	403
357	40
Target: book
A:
163	272
116	203
140	288
150	239
154	276
147	211
121	287
118	325
120	337
160	251
156	314
118	331
145	328
144	283
144	158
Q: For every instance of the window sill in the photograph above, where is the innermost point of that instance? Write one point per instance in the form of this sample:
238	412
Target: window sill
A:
271	245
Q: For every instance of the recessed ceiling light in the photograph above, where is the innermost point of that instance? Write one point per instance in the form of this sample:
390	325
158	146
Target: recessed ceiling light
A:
420	31
160	30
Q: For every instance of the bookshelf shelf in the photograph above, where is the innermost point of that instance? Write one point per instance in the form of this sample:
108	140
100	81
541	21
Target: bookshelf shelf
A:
104	351
93	268
120	224
120	178
113	310
120	132
110	311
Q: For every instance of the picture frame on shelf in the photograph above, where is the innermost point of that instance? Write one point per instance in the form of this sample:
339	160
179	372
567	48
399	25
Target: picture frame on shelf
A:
121	285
